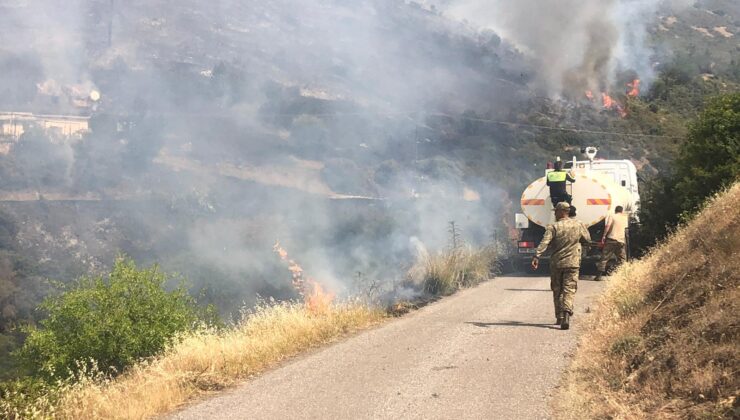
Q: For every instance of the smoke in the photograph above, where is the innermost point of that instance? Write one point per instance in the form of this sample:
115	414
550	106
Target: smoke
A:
578	44
224	127
45	37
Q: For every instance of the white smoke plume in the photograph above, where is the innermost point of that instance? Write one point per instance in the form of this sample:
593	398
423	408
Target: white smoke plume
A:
579	44
224	126
53	34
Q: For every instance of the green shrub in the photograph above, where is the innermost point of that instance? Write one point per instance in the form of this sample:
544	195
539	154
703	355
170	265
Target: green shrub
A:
110	323
710	157
709	160
28	398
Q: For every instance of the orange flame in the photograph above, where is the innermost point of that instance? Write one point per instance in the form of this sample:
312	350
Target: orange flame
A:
589	95
607	100
296	270
634	88
316	299
610	103
621	111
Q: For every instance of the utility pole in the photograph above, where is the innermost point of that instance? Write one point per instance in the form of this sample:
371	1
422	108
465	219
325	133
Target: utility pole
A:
416	145
454	236
110	22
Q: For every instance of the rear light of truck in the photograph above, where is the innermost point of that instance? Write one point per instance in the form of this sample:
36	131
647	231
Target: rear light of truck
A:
526	244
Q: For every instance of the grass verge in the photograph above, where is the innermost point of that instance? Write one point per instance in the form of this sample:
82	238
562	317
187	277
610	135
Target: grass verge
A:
210	360
203	361
444	273
663	339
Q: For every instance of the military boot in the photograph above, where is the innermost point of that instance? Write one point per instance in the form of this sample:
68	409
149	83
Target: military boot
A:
600	276
565	323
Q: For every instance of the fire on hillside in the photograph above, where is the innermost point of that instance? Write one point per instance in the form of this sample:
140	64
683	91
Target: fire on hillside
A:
316	299
609	103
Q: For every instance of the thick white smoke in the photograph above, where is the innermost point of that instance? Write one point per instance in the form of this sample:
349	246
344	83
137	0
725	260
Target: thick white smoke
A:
50	32
227	125
579	44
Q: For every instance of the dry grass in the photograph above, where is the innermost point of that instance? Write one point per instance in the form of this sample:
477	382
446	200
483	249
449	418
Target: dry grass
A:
446	272
205	361
664	340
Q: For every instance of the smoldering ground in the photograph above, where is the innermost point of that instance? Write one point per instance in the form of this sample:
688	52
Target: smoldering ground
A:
227	126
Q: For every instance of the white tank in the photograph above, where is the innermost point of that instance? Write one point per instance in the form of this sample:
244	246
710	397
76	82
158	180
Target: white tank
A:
595	195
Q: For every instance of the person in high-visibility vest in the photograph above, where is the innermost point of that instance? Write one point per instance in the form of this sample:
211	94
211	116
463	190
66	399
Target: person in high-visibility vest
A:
556	181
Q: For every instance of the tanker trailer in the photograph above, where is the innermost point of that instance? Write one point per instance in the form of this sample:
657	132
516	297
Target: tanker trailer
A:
601	186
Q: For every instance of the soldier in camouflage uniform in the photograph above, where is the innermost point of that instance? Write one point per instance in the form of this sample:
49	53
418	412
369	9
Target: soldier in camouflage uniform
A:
564	239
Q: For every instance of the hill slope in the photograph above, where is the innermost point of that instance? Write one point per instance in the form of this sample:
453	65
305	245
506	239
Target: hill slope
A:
664	340
224	126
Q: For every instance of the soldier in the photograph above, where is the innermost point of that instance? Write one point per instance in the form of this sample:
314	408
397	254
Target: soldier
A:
613	241
564	238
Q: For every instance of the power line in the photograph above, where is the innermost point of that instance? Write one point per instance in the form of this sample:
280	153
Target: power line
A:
568	129
486	120
412	113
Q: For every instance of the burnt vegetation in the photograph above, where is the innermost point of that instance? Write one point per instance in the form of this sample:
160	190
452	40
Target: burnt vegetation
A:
223	129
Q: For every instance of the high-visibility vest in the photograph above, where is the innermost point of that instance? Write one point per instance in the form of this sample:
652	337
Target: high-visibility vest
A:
557	176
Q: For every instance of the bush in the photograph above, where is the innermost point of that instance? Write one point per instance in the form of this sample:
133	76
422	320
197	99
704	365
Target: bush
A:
445	273
710	158
659	212
110	323
28	398
206	359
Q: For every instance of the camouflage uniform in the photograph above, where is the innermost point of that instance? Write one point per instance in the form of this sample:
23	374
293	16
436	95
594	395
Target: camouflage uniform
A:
564	238
614	245
612	250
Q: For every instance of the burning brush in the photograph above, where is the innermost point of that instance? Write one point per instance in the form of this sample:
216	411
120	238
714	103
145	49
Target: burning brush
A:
609	103
633	90
316	299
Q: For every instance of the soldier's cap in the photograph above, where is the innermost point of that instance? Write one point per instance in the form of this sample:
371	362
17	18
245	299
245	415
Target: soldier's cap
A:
562	206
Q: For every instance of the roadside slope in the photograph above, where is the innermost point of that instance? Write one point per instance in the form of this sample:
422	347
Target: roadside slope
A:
664	341
486	352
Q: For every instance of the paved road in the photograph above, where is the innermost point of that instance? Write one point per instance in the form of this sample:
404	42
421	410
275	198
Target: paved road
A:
485	353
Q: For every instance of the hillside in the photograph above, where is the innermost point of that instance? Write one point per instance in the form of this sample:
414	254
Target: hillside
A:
663	341
349	133
223	128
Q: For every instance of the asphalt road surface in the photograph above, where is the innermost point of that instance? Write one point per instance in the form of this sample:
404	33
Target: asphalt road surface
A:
491	352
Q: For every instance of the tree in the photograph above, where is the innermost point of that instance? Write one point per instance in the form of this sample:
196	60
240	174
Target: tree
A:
111	322
659	212
709	160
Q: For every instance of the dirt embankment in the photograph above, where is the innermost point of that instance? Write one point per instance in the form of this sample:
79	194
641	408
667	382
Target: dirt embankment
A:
664	341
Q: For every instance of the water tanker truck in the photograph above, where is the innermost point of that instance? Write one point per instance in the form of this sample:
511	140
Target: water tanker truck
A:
601	186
